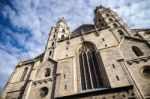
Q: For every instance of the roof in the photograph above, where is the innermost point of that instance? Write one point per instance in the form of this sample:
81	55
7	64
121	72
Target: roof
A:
84	28
36	58
148	29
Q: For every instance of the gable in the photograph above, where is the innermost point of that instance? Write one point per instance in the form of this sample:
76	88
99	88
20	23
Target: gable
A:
84	27
128	45
49	64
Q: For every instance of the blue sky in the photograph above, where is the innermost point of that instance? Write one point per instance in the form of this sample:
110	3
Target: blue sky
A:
25	24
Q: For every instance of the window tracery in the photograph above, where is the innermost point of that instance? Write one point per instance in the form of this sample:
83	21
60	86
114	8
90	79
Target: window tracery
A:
91	76
137	51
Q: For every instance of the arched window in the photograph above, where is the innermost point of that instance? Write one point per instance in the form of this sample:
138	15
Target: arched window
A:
52	43
110	19
24	73
120	32
63	30
145	71
43	91
62	36
137	51
55	30
90	70
54	36
107	15
50	52
47	72
115	25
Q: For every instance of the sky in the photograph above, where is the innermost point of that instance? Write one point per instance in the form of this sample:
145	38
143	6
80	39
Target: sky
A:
25	24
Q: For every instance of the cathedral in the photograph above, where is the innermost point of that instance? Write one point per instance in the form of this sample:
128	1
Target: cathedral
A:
104	60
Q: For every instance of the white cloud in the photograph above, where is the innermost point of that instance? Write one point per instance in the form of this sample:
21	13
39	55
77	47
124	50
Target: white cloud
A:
7	65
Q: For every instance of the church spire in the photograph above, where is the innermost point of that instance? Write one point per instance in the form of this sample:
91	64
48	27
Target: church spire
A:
63	29
106	18
59	32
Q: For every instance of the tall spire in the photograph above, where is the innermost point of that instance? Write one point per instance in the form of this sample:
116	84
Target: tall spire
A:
106	18
63	29
59	32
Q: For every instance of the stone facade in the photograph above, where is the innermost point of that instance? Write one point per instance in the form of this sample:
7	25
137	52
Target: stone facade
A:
105	60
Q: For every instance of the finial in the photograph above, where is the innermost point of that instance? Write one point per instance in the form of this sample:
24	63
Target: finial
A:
82	33
99	7
61	19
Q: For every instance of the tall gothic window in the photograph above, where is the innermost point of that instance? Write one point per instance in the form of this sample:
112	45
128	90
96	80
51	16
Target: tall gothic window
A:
137	51
47	72
24	73
90	71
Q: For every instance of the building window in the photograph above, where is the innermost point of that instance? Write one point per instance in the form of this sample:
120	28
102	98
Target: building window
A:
113	65
120	32
50	52
55	30
115	25
62	36
137	51
146	71
65	87
103	39
24	73
110	19
63	30
43	91
90	70
47	72
117	78
54	36
64	76
107	15
52	43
